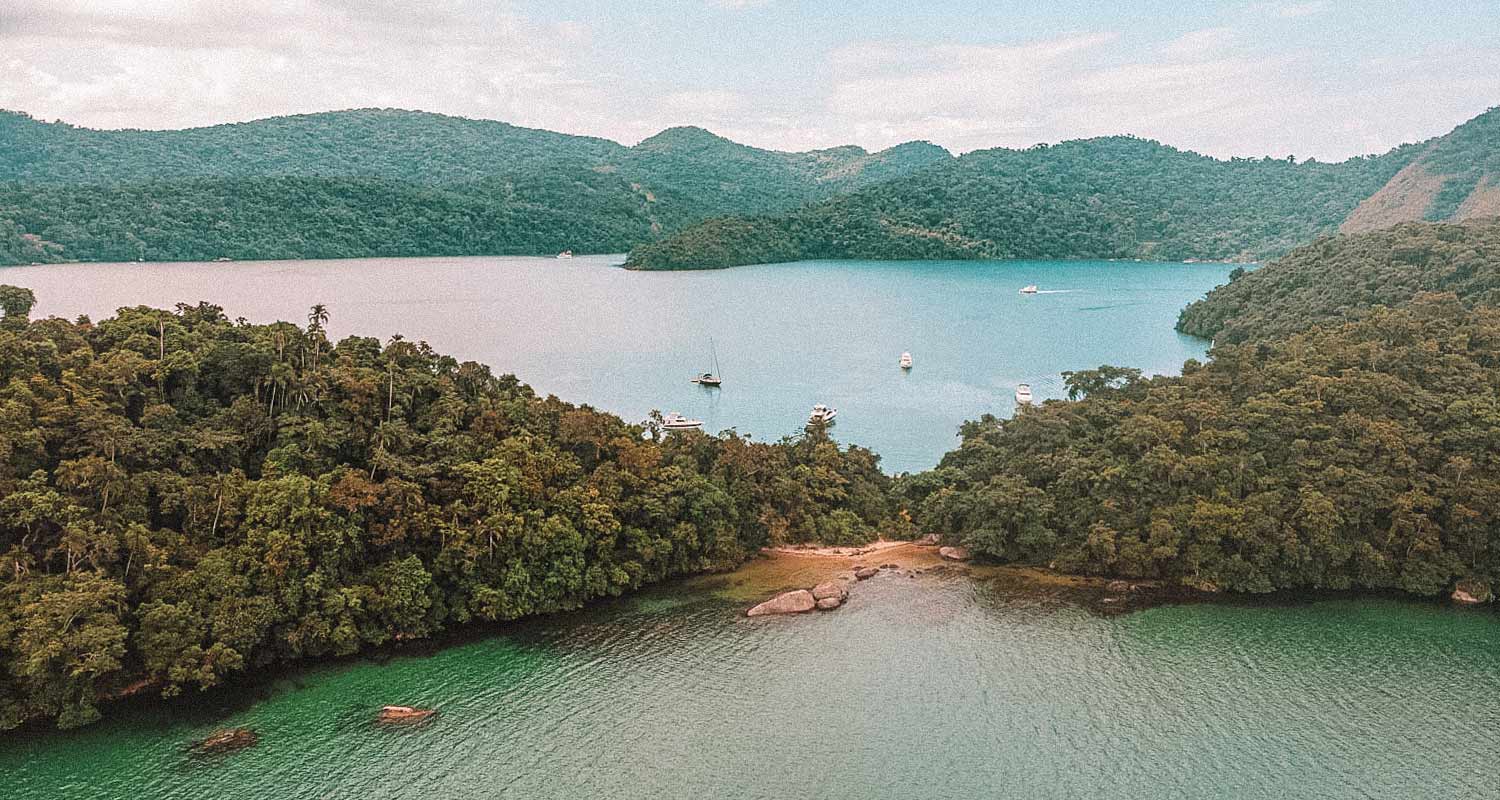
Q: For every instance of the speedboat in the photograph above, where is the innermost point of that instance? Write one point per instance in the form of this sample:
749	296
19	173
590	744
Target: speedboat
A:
1029	289
677	422
905	361
821	415
565	254
1023	394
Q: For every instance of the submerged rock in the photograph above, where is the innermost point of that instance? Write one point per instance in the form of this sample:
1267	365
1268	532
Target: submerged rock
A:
793	602
954	553
865	573
830	603
403	714
226	741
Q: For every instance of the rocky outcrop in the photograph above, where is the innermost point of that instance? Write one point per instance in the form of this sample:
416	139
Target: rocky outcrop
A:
930	540
865	573
830	589
1472	593
226	741
954	553
393	715
829	603
793	602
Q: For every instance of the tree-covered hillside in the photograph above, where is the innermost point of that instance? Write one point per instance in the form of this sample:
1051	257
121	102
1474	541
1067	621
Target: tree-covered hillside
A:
1117	197
1352	454
1344	277
385	182
184	499
1454	178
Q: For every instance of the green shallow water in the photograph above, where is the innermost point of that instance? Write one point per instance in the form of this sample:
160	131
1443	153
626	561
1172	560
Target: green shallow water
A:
936	686
787	335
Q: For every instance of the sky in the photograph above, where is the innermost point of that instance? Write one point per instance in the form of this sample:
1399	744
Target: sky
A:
1326	79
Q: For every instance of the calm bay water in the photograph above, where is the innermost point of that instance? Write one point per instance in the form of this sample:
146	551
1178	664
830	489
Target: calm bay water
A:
787	335
927	687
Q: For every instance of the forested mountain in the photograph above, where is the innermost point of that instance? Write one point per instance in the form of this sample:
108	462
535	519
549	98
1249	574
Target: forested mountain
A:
184	498
1116	197
1455	177
1344	277
1351	454
386	182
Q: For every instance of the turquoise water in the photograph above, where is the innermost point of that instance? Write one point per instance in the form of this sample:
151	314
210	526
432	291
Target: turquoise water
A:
787	335
929	687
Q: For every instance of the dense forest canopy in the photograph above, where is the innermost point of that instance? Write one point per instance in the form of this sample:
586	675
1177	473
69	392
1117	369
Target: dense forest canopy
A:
1117	197
184	498
1344	277
388	183
1351	440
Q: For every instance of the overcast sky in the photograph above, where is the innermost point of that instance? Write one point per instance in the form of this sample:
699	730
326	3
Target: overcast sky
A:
1325	78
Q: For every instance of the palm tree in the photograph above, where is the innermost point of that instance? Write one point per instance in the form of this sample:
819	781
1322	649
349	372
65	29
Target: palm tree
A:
317	318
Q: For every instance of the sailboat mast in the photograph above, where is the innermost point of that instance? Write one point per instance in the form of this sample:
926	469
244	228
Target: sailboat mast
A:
715	351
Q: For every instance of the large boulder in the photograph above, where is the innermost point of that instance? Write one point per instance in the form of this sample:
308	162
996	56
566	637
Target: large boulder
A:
954	553
830	603
865	573
1471	593
830	589
793	602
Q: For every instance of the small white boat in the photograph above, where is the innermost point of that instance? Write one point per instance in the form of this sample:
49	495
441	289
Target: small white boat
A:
677	422
711	379
1023	394
821	415
1029	289
905	361
565	254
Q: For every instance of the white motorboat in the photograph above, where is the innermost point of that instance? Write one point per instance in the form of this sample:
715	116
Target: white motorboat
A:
1023	394
905	361
677	422
565	254
821	415
1029	289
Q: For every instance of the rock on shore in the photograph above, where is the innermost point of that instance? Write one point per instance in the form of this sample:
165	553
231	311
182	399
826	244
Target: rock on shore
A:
793	602
1472	593
954	553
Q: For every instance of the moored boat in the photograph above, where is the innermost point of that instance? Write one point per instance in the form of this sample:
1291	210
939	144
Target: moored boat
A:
821	415
565	254
677	422
711	379
1023	394
905	361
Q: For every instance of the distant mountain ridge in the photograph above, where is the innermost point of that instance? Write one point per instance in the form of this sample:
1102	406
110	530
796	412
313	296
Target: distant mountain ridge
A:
364	177
1110	197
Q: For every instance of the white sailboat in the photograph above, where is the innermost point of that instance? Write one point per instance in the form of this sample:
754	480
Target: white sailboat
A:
711	379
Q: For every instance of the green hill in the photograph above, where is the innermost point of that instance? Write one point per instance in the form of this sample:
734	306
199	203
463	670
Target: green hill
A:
387	182
1453	178
1116	197
1343	278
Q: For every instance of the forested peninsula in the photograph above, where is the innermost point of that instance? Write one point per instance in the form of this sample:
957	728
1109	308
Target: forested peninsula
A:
185	498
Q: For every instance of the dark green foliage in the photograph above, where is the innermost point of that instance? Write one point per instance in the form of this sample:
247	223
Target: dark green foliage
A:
388	183
1366	455
1345	434
1343	277
1118	197
183	499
